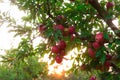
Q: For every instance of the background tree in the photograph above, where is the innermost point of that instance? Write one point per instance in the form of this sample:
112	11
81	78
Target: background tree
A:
76	24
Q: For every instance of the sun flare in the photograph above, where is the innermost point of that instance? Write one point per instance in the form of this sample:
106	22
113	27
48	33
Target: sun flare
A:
59	69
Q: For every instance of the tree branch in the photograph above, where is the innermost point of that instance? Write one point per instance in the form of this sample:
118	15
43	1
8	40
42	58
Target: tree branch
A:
103	13
115	67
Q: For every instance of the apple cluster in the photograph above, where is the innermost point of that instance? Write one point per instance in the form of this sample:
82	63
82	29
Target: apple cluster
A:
59	47
70	31
59	50
99	41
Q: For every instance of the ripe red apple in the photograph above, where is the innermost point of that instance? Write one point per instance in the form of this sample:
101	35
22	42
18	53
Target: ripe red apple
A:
41	28
55	49
96	45
92	78
61	44
107	64
91	52
59	27
100	67
109	5
99	37
108	57
58	59
71	30
72	37
60	17
62	53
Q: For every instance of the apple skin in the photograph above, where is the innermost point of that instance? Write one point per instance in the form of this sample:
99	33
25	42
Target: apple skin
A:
58	59
62	53
60	17
96	45
91	52
99	37
72	37
107	64
61	45
71	30
55	49
92	78
41	28
109	5
59	27
108	57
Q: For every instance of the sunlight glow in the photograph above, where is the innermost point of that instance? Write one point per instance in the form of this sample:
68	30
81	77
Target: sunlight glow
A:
58	69
7	41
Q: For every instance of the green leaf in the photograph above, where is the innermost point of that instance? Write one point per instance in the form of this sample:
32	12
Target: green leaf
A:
106	36
110	45
80	7
103	58
117	41
98	53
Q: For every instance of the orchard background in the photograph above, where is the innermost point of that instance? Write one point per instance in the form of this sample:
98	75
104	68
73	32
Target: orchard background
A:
84	27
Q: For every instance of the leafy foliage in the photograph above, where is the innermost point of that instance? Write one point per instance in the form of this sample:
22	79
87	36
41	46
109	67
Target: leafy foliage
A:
88	17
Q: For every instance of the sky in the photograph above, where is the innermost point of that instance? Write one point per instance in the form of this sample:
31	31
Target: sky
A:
7	40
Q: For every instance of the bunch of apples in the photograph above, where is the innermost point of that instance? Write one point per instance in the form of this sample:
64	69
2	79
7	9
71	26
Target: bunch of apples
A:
59	50
94	46
99	41
59	47
66	31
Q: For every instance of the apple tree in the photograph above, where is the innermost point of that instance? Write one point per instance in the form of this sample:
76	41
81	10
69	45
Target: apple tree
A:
83	24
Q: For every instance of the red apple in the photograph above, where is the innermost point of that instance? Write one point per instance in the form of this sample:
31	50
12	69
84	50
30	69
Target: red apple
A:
108	57
91	52
71	30
60	17
55	49
58	59
92	78
72	37
107	64
109	5
59	27
101	68
96	45
62	53
41	28
99	37
61	44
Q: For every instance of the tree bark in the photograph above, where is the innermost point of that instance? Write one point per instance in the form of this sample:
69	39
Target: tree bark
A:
103	13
